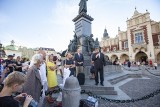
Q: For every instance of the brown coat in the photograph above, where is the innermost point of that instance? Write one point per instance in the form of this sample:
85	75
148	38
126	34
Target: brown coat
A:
33	85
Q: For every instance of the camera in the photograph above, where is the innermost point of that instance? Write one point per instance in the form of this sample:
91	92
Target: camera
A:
33	103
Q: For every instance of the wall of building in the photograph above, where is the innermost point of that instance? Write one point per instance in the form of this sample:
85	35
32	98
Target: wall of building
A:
149	46
12	52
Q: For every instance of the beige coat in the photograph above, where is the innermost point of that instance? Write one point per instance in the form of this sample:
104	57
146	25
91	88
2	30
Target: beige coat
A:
33	85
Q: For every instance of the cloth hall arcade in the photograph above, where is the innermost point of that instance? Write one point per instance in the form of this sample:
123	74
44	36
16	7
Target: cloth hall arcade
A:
140	42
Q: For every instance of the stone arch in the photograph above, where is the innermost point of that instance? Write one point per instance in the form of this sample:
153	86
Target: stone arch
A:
141	56
106	57
143	49
113	57
158	57
123	58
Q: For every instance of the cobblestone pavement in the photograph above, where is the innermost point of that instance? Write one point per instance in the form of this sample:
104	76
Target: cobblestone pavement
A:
138	88
135	88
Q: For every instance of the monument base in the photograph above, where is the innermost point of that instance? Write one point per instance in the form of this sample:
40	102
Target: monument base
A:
87	59
87	71
87	65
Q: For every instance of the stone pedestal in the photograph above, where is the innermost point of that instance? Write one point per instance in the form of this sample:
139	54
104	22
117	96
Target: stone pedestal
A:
83	31
83	24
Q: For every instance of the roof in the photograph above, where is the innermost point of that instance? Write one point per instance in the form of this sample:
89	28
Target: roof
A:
136	13
105	34
11	47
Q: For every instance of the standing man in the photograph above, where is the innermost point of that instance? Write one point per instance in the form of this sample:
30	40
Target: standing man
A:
99	62
79	59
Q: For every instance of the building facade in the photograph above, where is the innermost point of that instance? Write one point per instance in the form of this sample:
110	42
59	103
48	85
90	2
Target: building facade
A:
48	51
21	51
140	42
12	50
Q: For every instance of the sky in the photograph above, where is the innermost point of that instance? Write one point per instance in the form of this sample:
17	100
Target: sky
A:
48	23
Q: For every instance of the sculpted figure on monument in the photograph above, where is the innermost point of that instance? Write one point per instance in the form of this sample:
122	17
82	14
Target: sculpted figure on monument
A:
83	6
70	46
74	44
90	43
96	43
76	38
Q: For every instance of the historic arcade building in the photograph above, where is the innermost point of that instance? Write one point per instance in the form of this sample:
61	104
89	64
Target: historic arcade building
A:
141	41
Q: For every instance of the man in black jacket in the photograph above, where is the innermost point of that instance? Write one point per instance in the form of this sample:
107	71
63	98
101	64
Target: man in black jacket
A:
99	62
79	61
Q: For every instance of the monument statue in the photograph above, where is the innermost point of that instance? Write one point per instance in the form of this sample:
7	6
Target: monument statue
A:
73	45
76	38
83	6
96	43
70	46
83	37
90	43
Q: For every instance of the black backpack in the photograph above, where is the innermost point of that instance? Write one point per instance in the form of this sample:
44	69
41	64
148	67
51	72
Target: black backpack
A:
81	78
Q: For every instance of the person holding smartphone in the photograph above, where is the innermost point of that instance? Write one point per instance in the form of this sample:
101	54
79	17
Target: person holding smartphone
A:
13	83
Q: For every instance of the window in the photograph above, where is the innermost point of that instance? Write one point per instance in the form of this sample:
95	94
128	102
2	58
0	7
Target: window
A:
125	44
138	37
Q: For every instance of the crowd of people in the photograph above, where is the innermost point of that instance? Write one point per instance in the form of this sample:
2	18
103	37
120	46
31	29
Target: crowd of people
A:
35	77
39	75
138	64
135	63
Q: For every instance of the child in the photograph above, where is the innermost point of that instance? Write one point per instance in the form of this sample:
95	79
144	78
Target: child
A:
13	83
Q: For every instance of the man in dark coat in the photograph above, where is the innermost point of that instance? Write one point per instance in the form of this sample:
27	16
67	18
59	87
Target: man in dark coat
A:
99	62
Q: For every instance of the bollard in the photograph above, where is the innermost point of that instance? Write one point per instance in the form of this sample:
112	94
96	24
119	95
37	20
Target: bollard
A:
71	93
